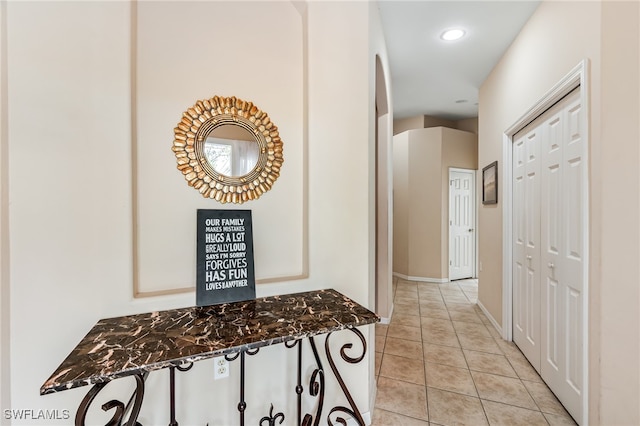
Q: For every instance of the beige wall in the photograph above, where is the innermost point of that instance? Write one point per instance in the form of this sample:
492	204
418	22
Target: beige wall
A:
405	124
430	121
424	165
460	150
618	293
468	125
421	205
401	203
71	201
557	37
426	121
159	107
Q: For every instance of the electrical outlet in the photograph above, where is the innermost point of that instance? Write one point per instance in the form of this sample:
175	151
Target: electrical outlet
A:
221	369
480	266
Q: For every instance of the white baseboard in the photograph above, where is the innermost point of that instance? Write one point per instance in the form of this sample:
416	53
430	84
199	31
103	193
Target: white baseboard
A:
492	320
367	418
421	279
372	402
387	320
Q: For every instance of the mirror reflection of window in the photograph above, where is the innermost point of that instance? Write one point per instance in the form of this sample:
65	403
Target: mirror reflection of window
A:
219	155
231	150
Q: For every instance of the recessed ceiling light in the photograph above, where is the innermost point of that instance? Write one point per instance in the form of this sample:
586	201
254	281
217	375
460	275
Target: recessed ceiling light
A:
452	34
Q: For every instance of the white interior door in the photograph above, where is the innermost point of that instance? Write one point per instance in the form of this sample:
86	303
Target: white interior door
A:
462	223
526	258
548	258
562	220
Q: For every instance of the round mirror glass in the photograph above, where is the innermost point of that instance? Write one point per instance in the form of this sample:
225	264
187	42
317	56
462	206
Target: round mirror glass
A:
231	150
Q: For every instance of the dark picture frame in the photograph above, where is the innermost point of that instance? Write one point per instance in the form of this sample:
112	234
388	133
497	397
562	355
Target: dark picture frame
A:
490	184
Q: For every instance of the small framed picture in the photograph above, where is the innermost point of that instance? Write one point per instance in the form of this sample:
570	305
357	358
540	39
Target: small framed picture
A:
490	184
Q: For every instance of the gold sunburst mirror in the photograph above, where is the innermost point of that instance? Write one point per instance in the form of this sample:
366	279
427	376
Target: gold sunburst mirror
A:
228	149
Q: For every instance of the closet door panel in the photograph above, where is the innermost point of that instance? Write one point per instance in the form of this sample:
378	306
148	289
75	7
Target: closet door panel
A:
526	295
571	387
551	211
562	227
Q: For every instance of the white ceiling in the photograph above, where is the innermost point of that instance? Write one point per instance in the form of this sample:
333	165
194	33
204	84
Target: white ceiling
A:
428	74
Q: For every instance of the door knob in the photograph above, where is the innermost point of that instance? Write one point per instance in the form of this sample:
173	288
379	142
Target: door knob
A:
470	229
551	265
528	257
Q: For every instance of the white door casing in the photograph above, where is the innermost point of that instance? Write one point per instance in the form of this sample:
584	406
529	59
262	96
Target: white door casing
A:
462	223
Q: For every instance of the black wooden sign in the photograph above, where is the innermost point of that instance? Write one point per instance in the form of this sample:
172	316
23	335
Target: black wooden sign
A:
225	270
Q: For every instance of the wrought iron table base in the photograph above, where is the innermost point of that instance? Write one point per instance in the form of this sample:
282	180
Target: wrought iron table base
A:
316	389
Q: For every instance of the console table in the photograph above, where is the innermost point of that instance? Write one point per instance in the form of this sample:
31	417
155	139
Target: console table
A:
135	345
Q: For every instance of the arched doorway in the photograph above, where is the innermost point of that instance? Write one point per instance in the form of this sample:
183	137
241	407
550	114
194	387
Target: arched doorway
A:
383	198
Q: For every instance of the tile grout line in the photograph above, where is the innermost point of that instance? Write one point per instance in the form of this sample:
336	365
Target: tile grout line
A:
520	379
510	357
484	411
424	361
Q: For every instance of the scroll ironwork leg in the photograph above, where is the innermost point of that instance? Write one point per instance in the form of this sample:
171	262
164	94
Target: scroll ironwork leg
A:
242	405
120	409
172	396
271	419
316	387
299	388
353	411
172	390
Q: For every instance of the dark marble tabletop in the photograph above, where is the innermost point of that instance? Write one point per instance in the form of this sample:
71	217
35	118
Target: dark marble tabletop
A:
122	346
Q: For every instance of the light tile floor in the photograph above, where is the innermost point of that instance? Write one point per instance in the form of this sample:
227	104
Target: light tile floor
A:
441	362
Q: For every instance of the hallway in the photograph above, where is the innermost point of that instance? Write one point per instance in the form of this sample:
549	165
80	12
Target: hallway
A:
441	362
